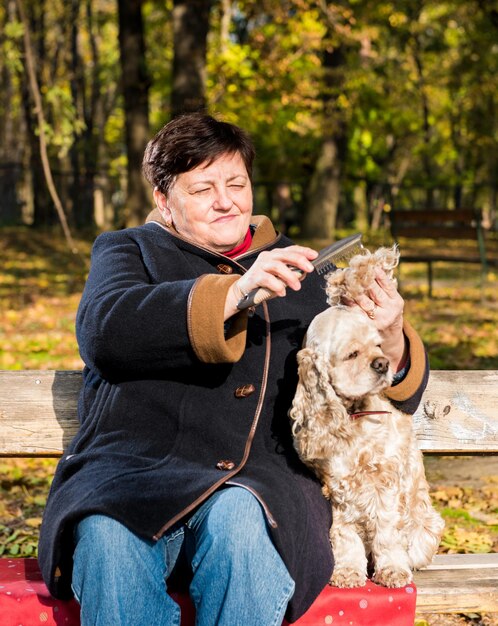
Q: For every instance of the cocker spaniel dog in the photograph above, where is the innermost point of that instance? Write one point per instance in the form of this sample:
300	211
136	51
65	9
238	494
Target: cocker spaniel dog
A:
360	446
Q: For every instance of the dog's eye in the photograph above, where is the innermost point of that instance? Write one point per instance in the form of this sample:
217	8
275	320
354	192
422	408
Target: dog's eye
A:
352	355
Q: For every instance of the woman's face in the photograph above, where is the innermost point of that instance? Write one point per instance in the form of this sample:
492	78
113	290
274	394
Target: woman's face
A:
211	204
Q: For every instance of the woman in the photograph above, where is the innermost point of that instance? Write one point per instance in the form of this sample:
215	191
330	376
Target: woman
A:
184	458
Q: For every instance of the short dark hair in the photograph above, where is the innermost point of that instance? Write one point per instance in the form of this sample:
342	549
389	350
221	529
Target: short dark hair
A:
189	140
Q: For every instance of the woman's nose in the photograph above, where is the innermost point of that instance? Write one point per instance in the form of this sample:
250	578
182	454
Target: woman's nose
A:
222	200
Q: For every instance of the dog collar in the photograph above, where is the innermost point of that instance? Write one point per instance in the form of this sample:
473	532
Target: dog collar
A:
355	416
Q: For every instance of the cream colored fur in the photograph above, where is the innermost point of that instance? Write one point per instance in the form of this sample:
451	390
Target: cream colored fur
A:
355	279
370	466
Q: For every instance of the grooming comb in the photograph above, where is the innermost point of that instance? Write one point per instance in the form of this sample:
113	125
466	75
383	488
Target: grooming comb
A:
326	260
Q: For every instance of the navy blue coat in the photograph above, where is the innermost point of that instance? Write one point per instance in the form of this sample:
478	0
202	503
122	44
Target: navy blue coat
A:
156	420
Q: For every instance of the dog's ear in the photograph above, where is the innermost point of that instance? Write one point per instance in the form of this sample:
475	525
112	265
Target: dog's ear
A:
317	413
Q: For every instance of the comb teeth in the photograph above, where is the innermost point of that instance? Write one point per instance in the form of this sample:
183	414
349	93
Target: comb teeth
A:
325	266
338	251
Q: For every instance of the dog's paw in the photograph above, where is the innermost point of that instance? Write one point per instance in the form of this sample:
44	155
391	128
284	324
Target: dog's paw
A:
393	577
346	577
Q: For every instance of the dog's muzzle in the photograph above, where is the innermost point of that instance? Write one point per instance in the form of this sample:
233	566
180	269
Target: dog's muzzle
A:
380	365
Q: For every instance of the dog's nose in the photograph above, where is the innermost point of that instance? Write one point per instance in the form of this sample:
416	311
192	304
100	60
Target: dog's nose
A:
380	365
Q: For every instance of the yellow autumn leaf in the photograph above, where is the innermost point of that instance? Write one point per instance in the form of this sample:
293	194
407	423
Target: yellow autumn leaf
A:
33	522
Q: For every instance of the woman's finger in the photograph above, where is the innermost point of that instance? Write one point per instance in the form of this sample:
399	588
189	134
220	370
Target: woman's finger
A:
273	269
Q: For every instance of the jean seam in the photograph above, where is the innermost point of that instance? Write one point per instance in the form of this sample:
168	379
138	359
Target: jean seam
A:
285	600
76	595
170	539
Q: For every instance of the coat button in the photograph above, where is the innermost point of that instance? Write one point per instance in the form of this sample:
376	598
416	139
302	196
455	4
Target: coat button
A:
224	268
244	391
225	465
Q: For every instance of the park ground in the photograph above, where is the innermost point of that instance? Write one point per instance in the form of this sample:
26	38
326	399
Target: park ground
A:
40	287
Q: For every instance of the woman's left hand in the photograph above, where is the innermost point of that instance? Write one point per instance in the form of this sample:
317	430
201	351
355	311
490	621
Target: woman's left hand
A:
383	304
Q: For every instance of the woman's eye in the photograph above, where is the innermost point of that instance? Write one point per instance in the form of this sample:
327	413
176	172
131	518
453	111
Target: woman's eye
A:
352	355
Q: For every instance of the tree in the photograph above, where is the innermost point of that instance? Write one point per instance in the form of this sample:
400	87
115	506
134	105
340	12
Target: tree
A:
323	197
11	115
263	75
135	86
35	93
190	30
352	106
88	94
43	209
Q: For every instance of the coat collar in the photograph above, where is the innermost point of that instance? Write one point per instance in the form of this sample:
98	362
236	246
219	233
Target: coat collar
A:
263	235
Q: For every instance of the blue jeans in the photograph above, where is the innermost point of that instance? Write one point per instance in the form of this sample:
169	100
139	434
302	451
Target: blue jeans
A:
238	577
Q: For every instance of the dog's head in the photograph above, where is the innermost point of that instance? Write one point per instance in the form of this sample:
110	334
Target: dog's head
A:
346	343
340	365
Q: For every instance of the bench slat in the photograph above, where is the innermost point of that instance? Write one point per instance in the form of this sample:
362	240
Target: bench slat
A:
38	412
436	232
464	561
438	256
436	216
422	231
458	589
459	413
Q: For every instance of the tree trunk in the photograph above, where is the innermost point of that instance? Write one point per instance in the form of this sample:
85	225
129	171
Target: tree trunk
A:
324	192
77	83
226	20
12	148
325	186
135	85
35	92
284	205
427	163
361	206
190	30
41	207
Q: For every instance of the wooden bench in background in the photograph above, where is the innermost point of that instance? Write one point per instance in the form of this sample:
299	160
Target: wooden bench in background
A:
450	236
457	416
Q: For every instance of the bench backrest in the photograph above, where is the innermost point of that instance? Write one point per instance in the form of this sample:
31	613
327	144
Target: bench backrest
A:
38	412
463	224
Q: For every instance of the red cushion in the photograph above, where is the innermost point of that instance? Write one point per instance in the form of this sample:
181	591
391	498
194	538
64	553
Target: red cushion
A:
371	605
25	601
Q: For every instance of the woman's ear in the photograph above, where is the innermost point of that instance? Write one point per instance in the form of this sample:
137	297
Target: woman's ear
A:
162	204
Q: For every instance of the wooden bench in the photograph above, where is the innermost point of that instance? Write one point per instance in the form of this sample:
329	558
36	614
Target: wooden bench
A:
457	416
430	236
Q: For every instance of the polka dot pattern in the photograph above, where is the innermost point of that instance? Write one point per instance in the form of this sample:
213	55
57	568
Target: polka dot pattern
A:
25	601
371	605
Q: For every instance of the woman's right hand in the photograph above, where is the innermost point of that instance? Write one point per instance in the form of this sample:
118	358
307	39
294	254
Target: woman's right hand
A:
272	271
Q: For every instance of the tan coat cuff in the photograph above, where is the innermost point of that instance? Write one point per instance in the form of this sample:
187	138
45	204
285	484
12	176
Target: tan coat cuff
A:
415	376
206	326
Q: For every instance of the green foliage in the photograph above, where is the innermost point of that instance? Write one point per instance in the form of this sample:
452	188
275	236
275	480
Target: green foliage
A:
25	484
13	33
267	80
471	516
66	126
418	89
